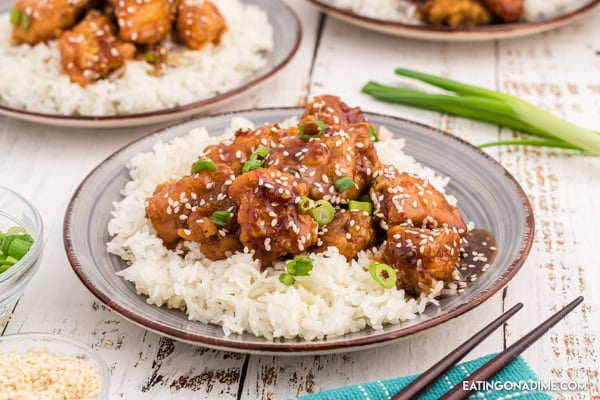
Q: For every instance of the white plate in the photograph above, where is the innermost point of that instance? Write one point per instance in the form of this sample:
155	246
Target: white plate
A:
286	33
446	34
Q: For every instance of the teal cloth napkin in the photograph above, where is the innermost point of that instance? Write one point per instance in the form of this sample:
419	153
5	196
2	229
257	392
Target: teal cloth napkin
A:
516	380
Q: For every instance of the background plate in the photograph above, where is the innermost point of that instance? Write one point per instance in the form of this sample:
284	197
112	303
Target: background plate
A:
444	34
487	194
287	33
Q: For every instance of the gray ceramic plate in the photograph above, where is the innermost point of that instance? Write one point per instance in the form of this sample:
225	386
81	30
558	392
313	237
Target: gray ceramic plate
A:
287	35
577	9
488	195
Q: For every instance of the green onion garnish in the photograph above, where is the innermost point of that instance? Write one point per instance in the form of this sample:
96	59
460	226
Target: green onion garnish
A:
490	106
343	184
293	171
256	160
307	131
202	164
365	197
15	16
259	153
305	204
220	217
299	266
14	244
150	57
252	164
373	134
287	279
322	212
25	21
360	206
383	274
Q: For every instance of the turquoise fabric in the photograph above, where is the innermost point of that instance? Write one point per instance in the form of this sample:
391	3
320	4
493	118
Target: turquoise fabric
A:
515	376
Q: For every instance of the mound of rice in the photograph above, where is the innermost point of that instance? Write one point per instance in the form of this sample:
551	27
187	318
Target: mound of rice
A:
32	78
405	11
336	298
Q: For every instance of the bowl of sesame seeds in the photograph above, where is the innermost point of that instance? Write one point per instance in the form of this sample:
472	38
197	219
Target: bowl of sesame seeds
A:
43	365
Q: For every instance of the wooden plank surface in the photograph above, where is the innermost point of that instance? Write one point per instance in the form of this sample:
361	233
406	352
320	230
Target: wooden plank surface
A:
557	70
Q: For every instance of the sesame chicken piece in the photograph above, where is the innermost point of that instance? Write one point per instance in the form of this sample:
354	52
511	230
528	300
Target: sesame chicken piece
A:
41	20
332	111
90	50
199	22
144	21
351	231
507	10
237	151
421	256
455	13
182	209
322	161
271	224
403	198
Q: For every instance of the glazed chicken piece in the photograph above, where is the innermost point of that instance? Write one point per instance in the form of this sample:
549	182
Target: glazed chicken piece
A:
332	111
40	20
144	21
199	22
401	198
183	209
421	256
455	13
237	151
507	10
322	162
91	50
351	231
271	223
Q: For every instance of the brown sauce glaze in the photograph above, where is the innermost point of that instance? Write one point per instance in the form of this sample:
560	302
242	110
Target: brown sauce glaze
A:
477	254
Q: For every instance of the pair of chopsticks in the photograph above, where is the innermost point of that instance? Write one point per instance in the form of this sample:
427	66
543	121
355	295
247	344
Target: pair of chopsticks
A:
489	369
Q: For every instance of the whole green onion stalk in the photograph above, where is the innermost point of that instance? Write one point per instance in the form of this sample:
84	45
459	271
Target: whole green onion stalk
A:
485	105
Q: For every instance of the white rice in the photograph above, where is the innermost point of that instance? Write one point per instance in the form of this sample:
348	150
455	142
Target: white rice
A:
31	78
405	11
336	298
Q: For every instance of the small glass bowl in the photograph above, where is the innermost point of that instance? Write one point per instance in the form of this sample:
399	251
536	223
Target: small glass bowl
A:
22	343
16	211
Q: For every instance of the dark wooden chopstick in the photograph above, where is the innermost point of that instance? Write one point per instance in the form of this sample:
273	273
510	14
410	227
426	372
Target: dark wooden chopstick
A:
493	366
413	389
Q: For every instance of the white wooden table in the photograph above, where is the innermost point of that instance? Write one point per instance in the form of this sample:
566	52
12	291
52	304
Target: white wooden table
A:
558	70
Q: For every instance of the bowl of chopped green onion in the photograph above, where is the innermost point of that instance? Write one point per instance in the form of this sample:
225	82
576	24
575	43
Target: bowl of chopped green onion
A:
21	238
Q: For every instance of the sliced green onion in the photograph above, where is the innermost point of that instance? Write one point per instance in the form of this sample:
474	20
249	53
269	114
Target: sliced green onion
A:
304	129
220	217
15	16
490	106
360	206
383	274
300	266
256	160
252	164
150	57
365	197
286	279
261	153
373	134
14	244
305	204
322	212
202	164
343	184
18	248
25	21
